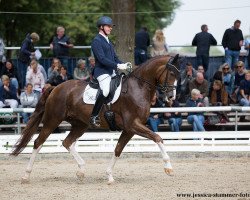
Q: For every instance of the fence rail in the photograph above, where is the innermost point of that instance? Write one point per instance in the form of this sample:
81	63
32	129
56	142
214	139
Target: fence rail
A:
174	142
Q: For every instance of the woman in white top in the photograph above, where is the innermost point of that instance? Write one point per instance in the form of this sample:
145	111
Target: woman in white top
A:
159	46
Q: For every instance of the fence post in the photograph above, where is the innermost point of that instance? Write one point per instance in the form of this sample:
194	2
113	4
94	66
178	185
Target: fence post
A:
18	124
236	120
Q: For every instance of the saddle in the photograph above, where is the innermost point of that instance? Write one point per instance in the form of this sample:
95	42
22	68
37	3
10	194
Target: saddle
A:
115	83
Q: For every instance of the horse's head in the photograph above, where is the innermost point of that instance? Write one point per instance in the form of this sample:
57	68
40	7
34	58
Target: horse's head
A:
168	79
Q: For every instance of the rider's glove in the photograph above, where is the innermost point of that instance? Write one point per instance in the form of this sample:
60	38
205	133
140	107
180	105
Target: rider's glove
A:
122	66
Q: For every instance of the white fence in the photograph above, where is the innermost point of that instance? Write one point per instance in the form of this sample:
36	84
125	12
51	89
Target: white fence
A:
174	142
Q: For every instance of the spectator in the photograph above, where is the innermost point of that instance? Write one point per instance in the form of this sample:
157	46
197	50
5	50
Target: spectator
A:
2	56
55	68
8	93
159	46
186	77
155	118
27	52
238	77
81	72
62	77
36	78
201	84
11	71
244	93
91	66
219	97
174	119
203	40
28	99
247	47
142	41
201	69
39	68
60	45
232	41
195	118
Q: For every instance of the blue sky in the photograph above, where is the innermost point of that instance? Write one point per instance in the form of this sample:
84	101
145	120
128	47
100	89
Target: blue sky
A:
187	23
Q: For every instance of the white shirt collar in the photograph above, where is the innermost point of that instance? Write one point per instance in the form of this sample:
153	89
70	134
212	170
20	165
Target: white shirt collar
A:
106	37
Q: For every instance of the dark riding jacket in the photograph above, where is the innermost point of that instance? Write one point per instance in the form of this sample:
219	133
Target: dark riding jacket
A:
106	59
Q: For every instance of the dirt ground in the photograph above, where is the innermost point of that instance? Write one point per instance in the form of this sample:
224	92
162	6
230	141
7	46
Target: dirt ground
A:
136	177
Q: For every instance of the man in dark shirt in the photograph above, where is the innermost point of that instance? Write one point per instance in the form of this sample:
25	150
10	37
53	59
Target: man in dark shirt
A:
142	41
203	40
232	41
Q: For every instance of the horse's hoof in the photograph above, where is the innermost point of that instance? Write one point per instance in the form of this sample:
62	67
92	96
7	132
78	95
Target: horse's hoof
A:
169	171
111	181
25	180
80	175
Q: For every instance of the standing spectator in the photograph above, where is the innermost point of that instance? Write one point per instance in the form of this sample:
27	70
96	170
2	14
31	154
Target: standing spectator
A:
11	71
36	78
142	41
8	93
174	119
55	68
186	76
39	68
60	45
195	118
201	84
159	46
28	99
27	52
232	41
244	93
247	47
81	72
155	118
203	40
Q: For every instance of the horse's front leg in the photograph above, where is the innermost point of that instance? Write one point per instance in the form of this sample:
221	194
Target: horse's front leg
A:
143	131
123	140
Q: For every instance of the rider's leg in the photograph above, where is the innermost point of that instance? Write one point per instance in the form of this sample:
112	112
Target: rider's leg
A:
104	82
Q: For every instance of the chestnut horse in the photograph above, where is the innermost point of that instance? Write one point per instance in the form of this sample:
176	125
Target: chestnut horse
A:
65	103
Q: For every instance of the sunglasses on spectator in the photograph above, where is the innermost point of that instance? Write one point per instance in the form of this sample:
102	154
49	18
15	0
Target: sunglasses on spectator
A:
226	68
239	66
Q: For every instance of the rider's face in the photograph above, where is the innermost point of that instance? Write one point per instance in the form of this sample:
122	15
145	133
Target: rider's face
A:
107	29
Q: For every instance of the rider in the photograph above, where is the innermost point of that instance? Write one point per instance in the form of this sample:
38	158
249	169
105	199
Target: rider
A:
106	64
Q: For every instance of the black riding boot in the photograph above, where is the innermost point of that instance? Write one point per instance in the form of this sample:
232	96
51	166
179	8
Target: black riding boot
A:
94	119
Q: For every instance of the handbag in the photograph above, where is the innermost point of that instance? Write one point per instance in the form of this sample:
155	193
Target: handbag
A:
212	120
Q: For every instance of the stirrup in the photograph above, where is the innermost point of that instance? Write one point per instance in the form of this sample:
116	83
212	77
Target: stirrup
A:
95	121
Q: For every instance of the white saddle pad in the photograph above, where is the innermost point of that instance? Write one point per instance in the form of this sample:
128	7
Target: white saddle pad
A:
89	94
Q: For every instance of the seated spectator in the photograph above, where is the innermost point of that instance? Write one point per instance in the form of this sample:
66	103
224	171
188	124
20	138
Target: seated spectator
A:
186	77
219	97
11	71
28	99
62	77
55	67
174	119
239	76
91	66
8	93
81	72
154	118
35	77
195	118
39	68
244	93
201	84
159	46
226	76
201	69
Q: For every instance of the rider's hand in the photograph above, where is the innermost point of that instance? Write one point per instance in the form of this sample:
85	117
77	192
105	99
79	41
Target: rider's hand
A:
122	66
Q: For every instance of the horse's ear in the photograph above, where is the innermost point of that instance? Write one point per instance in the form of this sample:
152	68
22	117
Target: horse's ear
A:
175	59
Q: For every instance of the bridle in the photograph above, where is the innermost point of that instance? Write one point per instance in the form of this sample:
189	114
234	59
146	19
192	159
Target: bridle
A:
165	87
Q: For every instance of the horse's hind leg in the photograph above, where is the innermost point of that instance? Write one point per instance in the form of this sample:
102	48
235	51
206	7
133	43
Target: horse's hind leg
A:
44	134
69	143
123	140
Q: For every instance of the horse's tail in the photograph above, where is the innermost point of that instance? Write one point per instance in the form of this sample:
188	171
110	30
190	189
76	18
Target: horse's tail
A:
32	124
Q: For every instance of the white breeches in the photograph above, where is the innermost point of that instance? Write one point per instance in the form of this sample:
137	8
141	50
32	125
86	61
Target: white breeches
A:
9	102
104	82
